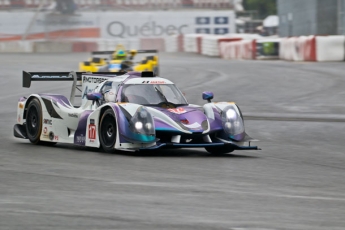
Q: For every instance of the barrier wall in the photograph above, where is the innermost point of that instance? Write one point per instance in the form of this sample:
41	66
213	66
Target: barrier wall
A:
243	49
16	47
330	48
210	44
313	48
267	48
152	44
303	48
190	43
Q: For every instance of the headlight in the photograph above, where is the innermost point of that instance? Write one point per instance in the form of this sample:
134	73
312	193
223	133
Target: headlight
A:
232	122
142	122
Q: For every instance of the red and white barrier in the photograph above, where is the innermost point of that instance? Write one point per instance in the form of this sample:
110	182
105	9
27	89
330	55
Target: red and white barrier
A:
174	43
313	48
242	49
209	45
152	44
190	42
110	44
16	47
330	48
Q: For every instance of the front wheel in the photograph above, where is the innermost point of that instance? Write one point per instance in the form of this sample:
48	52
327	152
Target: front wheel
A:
34	121
107	131
219	150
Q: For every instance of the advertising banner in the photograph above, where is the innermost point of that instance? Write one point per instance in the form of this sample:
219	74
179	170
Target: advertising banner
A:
110	24
165	23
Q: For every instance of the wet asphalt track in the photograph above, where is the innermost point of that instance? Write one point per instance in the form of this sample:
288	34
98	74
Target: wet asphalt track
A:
297	181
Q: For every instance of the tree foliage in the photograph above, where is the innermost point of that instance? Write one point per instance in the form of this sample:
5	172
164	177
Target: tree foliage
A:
264	8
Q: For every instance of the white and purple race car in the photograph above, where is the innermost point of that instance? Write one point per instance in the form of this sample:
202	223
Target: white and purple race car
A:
128	111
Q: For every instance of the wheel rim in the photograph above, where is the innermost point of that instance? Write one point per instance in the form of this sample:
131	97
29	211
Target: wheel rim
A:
108	131
32	121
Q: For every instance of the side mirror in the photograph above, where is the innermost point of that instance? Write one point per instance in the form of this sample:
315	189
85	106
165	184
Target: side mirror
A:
94	96
207	95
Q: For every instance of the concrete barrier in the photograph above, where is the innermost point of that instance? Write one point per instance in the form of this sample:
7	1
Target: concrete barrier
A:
172	43
52	47
152	43
330	48
16	47
190	43
84	46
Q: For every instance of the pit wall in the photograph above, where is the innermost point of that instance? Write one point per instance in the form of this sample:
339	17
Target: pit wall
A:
230	46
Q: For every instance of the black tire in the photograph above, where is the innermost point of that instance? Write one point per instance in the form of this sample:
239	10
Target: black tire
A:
220	150
108	131
155	71
34	121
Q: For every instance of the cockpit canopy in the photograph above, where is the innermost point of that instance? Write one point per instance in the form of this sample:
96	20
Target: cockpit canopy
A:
145	94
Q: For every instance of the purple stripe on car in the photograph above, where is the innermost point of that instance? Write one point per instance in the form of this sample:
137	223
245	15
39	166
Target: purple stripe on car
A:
62	100
80	133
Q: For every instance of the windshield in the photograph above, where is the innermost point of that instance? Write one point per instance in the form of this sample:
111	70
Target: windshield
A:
152	94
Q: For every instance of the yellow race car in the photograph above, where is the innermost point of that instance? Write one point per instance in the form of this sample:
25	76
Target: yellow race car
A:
121	60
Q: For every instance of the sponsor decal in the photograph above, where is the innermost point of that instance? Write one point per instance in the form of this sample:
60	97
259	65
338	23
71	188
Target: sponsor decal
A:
73	115
92	130
21	105
45	130
51	136
56	138
18	118
157	82
47	122
177	110
81	139
119	29
94	79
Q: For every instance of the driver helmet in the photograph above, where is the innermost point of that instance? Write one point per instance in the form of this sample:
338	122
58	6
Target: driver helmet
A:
110	95
120	55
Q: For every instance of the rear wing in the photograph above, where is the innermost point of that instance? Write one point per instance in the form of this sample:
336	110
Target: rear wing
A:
75	77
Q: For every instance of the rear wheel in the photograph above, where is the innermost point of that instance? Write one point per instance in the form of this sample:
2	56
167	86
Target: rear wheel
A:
107	131
219	150
34	121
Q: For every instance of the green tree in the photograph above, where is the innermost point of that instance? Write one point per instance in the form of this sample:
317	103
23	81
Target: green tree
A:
264	8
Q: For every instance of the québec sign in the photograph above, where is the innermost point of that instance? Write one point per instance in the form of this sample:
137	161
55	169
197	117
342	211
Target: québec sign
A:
124	25
148	29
